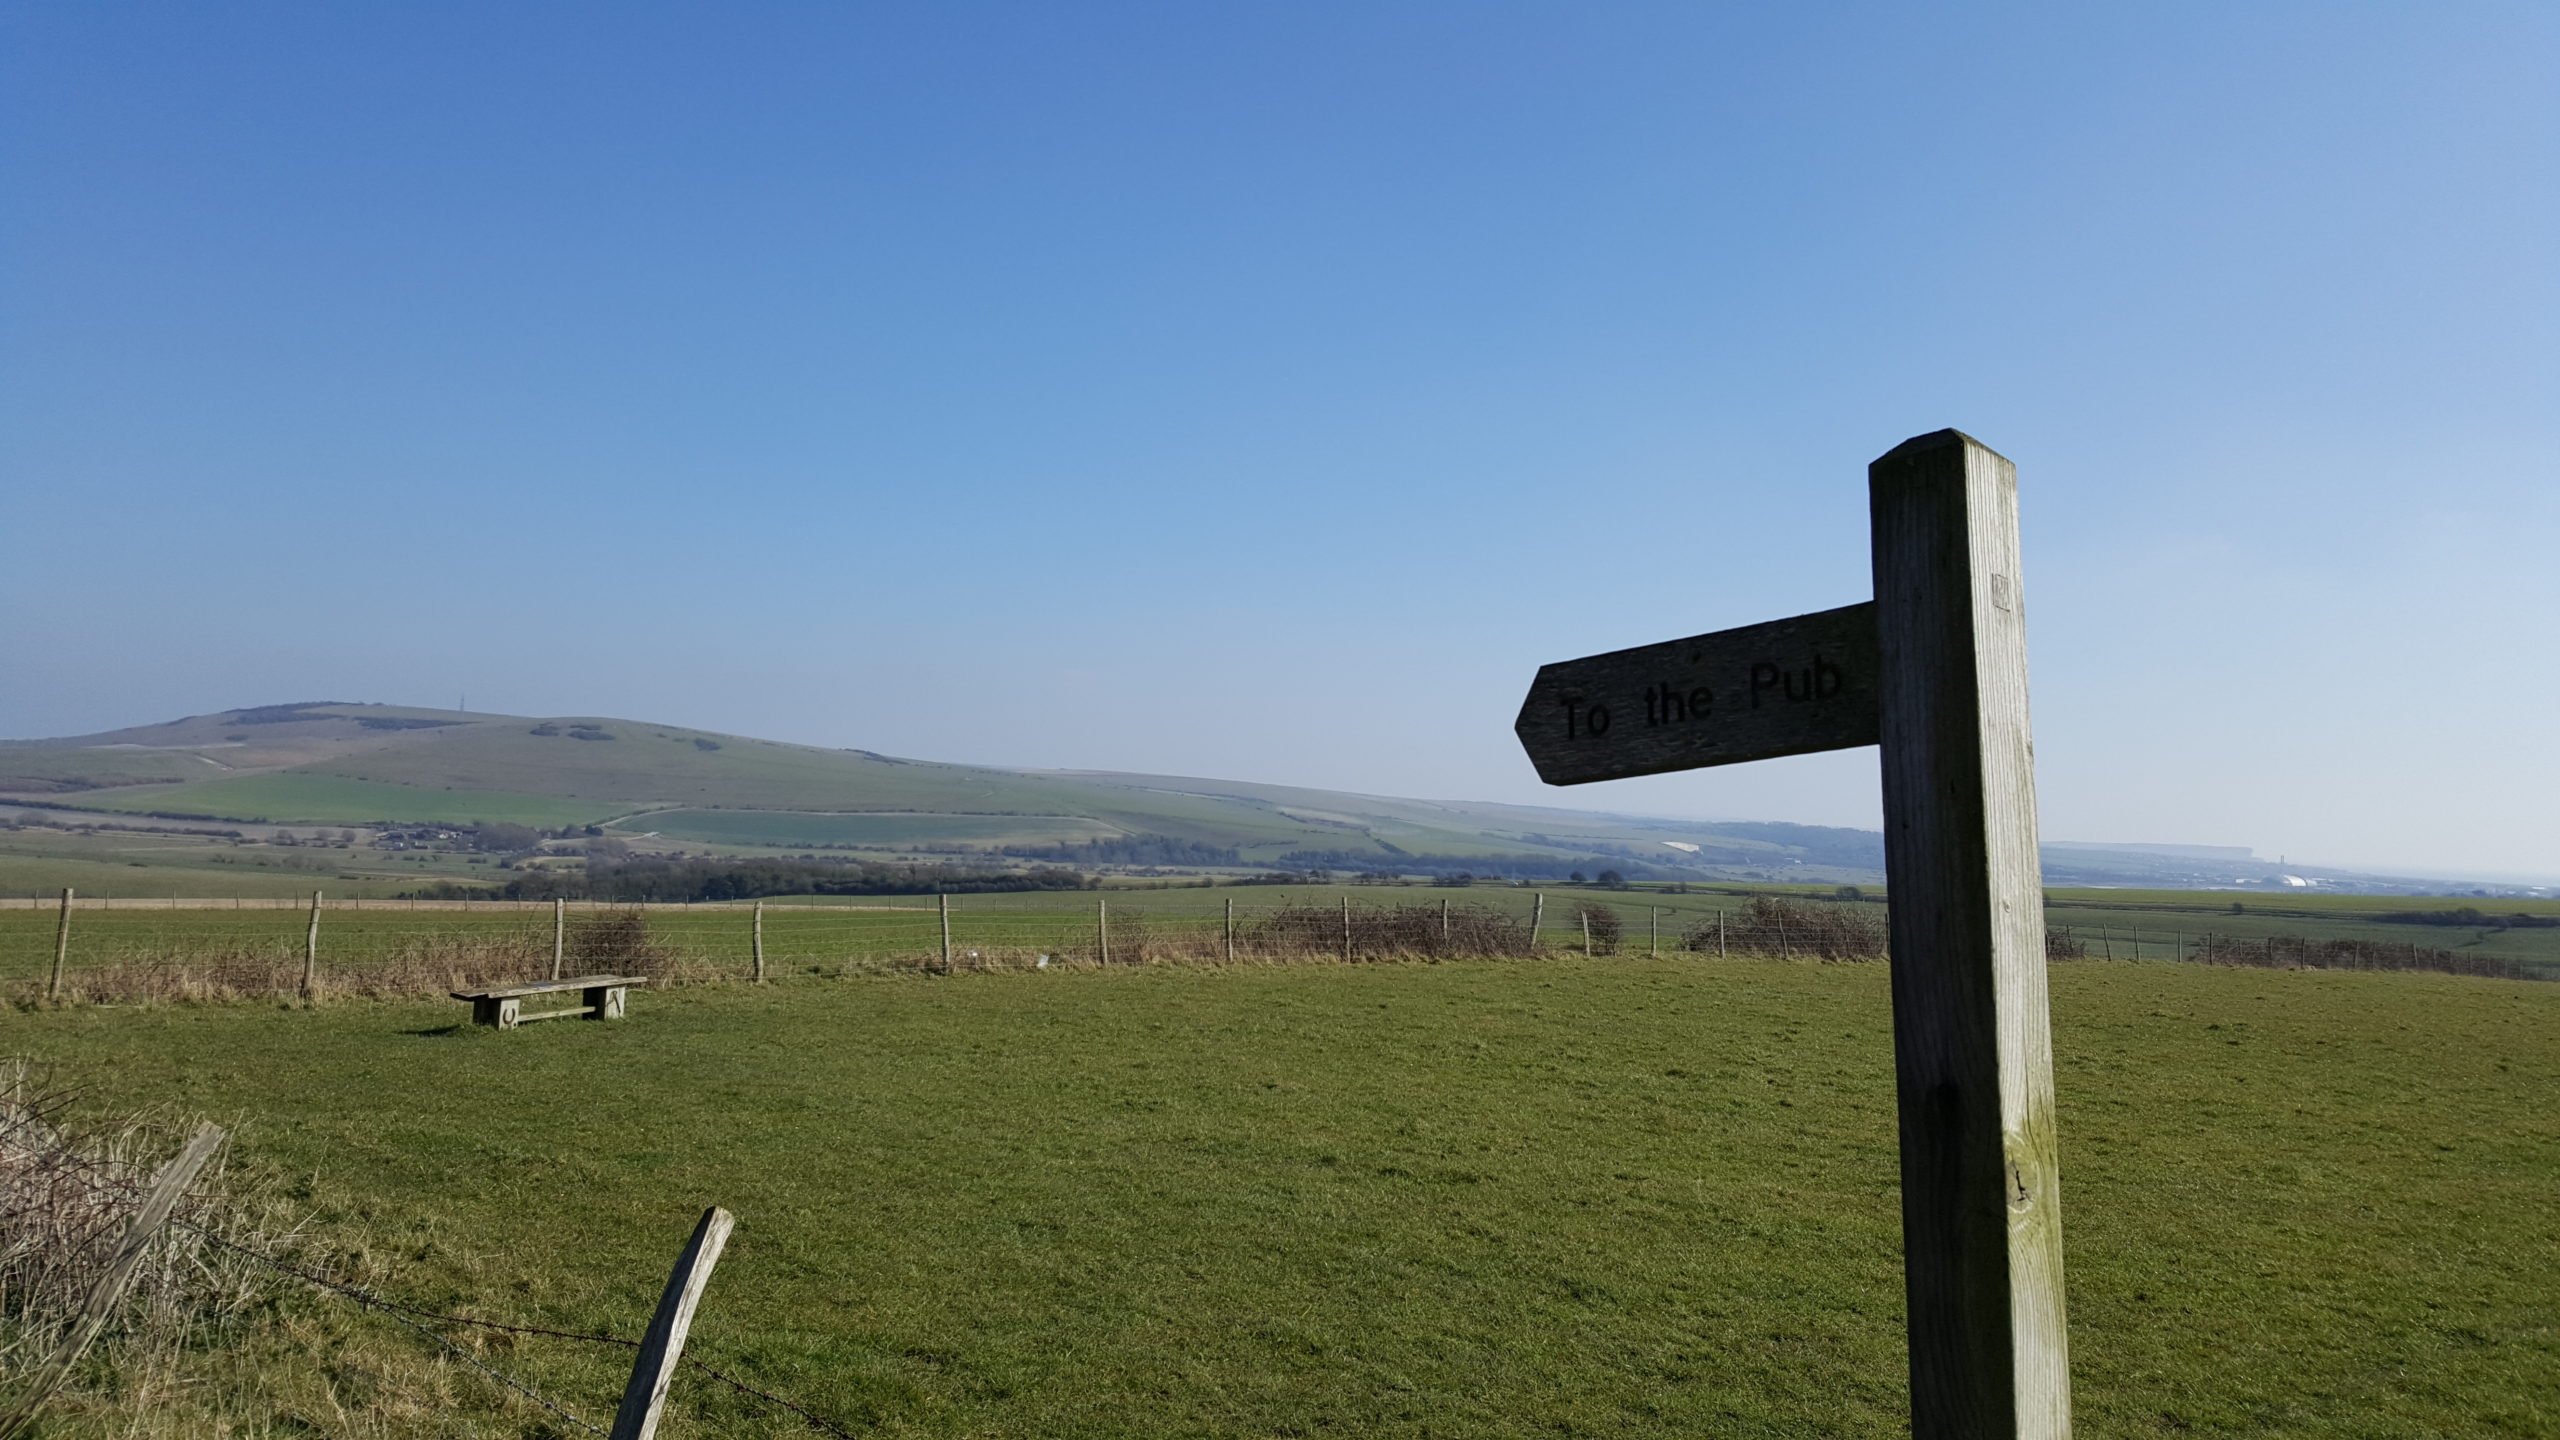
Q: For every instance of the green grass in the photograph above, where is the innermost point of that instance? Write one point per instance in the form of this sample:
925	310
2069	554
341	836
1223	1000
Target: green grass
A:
2157	924
1496	1199
290	797
787	828
831	934
108	863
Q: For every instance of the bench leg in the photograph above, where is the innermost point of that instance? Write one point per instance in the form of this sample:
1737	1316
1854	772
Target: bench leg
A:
604	1002
496	1014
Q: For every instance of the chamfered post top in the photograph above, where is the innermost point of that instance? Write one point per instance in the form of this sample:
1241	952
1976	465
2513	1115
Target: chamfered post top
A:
1936	440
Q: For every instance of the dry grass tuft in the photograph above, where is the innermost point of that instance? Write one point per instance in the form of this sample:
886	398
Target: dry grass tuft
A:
419	966
1777	928
66	1200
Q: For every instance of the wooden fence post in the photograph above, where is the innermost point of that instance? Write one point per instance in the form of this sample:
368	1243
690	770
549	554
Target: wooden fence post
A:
1653	932
1585	913
559	933
311	952
1231	929
759	941
61	947
646	1395
1973	1050
943	901
1346	927
166	1190
1537	917
1102	927
1444	922
1720	953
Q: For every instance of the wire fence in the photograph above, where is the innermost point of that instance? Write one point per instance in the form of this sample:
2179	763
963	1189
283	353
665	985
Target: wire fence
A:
123	951
118	951
118	1192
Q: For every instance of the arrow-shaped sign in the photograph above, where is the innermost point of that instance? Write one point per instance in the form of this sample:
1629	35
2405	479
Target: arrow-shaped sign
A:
1787	687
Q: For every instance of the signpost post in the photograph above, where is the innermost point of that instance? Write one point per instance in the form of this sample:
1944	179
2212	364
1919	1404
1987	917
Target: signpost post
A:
1934	670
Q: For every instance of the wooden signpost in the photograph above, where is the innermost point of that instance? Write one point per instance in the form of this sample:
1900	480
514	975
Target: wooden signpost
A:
1934	670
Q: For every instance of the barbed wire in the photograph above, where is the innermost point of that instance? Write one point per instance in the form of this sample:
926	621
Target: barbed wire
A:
118	1187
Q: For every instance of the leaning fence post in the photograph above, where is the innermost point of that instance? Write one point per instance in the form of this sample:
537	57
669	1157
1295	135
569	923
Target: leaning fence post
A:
1585	912
166	1190
646	1395
1537	917
61	947
311	952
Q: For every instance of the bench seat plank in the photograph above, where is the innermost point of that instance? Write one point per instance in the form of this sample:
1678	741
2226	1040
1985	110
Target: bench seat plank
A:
544	987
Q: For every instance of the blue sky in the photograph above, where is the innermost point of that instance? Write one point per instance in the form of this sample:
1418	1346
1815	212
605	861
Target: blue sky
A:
1264	390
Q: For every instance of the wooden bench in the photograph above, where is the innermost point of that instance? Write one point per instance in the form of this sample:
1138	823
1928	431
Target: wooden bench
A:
600	998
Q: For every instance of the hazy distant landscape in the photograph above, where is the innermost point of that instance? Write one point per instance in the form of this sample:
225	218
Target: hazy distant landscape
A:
384	799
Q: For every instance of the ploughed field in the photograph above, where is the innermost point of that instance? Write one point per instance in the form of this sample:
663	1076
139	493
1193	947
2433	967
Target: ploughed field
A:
1628	1196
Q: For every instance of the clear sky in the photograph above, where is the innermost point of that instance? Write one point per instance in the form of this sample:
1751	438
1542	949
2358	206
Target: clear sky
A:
1263	390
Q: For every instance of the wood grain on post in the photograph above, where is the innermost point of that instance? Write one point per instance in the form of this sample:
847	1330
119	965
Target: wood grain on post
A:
311	952
646	1395
61	947
166	1190
1982	1236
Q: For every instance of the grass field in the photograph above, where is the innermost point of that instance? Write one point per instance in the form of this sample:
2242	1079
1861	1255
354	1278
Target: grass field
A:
200	867
1495	1198
828	935
788	828
334	800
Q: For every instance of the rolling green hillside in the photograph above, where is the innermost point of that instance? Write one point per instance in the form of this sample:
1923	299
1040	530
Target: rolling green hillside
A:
665	786
339	764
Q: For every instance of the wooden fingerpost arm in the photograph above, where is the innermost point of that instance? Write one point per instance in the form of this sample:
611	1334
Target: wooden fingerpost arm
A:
1981	1213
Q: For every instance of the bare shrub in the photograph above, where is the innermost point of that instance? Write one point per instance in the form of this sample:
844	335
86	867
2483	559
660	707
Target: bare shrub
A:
66	1199
1603	926
618	942
1773	925
1384	932
2064	945
2295	952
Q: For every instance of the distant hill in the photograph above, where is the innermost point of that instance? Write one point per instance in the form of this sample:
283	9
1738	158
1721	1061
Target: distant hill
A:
337	763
